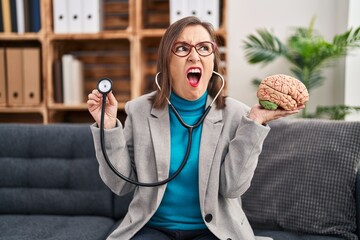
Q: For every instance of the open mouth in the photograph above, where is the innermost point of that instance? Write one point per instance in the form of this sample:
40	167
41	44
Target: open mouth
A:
193	76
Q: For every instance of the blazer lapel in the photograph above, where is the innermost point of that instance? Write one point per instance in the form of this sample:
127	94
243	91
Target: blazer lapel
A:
211	131
160	133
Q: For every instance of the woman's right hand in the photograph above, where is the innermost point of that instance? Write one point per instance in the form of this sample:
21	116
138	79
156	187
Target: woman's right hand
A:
94	103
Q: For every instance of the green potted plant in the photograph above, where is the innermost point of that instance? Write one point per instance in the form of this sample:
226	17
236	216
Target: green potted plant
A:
307	51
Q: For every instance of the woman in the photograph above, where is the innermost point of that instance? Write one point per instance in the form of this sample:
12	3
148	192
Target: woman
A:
202	202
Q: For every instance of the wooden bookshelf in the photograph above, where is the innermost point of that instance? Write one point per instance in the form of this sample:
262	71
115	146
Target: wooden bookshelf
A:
125	51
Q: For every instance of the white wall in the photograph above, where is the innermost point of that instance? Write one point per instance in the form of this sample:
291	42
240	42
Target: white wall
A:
352	68
245	16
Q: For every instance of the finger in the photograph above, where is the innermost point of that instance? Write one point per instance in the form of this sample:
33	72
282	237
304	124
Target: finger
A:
112	99
97	93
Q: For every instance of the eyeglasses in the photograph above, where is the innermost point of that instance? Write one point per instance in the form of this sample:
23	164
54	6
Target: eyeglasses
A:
183	49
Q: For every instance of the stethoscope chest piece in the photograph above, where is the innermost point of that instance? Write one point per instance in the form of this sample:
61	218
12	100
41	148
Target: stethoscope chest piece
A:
104	85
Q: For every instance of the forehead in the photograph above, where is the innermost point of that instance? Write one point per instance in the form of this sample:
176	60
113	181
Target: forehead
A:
194	34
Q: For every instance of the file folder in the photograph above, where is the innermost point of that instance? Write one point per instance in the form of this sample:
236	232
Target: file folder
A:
31	76
75	13
2	78
14	76
60	15
92	15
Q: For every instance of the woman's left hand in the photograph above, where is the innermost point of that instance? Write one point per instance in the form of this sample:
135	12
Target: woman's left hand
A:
261	115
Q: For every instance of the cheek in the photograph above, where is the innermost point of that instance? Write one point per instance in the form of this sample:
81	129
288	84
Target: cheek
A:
209	67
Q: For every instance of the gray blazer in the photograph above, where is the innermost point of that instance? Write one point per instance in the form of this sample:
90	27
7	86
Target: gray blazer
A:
229	150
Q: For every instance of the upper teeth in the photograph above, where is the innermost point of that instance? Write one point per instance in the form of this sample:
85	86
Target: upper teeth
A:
194	70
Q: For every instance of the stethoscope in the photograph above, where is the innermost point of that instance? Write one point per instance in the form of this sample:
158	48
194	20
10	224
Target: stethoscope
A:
105	85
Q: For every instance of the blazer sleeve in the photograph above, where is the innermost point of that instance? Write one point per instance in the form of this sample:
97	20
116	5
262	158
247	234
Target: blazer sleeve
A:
241	159
118	145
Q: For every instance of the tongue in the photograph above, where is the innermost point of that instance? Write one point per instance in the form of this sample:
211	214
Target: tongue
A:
193	80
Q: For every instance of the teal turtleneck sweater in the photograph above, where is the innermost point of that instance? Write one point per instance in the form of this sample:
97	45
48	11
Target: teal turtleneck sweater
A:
180	206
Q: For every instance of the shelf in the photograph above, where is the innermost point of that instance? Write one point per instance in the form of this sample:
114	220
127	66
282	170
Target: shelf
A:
21	37
92	36
83	106
125	51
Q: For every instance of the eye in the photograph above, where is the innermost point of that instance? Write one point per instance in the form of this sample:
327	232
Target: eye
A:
181	47
204	47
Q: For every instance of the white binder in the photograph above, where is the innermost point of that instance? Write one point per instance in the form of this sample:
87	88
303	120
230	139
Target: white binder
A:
60	15
75	13
194	8
210	12
20	16
92	16
178	9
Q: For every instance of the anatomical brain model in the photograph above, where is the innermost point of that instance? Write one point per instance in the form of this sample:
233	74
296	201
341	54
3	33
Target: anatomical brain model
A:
282	91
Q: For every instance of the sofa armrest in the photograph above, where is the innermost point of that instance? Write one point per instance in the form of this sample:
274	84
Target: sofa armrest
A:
357	196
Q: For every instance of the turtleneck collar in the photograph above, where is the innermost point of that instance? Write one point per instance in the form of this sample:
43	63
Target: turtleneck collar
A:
187	107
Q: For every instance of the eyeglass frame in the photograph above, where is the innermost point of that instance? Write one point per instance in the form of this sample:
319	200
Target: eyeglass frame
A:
194	46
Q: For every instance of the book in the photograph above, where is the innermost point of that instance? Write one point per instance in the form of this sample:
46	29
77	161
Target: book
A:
2	78
57	81
72	72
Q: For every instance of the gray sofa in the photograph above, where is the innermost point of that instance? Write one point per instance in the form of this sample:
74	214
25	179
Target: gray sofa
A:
50	187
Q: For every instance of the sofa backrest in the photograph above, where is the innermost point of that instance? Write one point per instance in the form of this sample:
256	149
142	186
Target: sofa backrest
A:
51	169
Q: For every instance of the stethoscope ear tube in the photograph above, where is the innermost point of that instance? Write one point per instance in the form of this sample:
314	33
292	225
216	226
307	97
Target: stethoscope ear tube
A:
104	86
116	172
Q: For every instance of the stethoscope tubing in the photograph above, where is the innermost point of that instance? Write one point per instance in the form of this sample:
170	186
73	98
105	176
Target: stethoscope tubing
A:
188	148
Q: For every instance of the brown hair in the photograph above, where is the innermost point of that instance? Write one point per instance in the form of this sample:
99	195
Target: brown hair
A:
164	54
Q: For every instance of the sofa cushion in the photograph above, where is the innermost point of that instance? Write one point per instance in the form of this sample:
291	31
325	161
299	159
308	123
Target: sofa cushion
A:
305	179
24	227
51	169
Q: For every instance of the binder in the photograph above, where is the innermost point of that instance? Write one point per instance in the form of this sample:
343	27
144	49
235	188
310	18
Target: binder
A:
31	76
210	12
194	8
6	14
34	6
75	14
14	78
13	16
92	15
2	78
60	15
1	18
178	9
20	15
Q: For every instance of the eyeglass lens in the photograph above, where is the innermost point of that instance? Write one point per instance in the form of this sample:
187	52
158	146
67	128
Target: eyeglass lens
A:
182	49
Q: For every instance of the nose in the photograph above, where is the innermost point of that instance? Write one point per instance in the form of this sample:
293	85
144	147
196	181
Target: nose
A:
194	56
